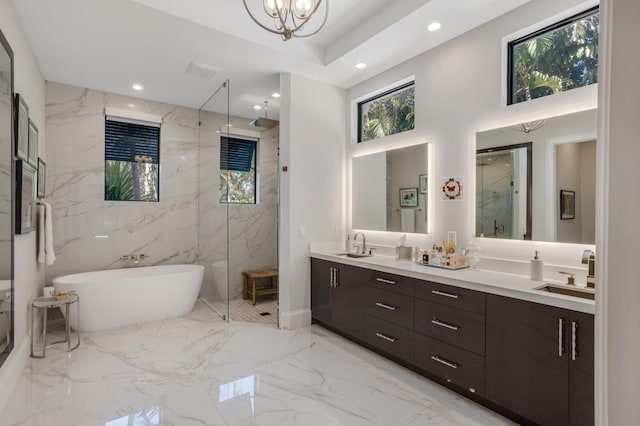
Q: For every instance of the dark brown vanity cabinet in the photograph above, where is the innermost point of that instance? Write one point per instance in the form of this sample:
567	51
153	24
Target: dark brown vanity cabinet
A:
530	361
389	314
539	361
337	296
450	334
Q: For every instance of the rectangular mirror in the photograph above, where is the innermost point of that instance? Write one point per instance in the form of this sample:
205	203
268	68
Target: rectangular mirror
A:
561	157
389	190
7	188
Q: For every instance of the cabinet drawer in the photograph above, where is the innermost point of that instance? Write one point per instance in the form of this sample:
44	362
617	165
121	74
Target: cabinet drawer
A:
391	282
390	306
456	297
391	338
460	367
460	328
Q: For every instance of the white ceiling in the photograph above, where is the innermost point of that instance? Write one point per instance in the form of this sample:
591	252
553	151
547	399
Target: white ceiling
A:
110	45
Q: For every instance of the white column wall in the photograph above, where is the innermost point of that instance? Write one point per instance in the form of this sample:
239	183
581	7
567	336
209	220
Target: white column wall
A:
618	226
312	147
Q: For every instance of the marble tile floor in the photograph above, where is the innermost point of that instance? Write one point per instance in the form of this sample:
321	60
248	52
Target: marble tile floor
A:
197	370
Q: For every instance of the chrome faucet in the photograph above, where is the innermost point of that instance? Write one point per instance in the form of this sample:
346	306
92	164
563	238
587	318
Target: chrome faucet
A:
589	258
135	257
364	242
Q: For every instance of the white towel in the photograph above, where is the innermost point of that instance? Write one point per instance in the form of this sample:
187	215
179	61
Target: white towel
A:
408	220
50	255
41	249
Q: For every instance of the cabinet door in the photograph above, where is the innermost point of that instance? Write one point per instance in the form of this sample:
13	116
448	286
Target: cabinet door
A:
527	369
581	368
321	286
348	300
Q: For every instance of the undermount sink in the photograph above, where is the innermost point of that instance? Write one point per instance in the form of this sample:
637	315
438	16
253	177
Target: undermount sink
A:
583	293
355	255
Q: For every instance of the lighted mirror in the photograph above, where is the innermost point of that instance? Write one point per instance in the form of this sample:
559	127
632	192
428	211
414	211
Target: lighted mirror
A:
389	190
562	160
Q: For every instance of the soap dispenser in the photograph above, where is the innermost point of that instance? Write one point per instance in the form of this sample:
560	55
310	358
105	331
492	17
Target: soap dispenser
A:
537	265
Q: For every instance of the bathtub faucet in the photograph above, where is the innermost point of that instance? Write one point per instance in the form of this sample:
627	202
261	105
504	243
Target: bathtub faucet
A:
135	257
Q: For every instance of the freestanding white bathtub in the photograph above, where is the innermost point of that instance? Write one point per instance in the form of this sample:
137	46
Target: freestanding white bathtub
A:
118	297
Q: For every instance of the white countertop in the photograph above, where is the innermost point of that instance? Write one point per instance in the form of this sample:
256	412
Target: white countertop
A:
502	284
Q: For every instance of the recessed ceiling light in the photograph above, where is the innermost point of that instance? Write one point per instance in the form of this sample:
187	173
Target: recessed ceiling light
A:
131	105
257	107
275	95
361	65
229	125
136	87
434	26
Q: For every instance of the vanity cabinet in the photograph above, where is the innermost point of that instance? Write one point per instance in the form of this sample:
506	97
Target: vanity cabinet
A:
530	361
389	312
539	361
450	334
337	296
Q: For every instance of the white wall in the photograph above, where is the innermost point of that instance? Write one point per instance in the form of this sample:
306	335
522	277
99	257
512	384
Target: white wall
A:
312	147
28	275
460	91
618	232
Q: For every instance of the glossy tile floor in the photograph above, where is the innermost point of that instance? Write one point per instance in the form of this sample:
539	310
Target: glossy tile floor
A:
197	370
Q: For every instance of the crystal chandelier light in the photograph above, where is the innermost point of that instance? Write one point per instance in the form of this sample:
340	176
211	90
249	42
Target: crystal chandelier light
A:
289	16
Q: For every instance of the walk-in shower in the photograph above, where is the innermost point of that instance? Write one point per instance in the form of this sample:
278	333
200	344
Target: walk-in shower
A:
237	208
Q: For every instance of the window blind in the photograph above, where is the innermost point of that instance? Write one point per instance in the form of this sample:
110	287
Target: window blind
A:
236	154
131	142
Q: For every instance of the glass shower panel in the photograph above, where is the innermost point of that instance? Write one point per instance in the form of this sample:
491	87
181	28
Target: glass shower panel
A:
213	228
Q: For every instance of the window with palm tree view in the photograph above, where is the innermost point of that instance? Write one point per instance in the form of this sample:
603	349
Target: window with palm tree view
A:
238	170
132	159
555	59
387	113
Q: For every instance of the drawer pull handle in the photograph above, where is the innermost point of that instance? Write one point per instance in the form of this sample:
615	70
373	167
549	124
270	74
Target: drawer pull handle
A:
574	340
443	361
382	280
445	294
385	306
560	337
387	338
439	323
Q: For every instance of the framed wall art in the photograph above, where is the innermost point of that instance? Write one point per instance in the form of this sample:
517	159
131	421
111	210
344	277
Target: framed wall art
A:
33	144
22	128
25	197
409	197
42	175
424	184
567	204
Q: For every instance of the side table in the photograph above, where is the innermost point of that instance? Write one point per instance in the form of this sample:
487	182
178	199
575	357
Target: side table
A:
46	303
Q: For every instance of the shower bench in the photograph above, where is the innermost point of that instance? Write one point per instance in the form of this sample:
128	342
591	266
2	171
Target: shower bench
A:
252	288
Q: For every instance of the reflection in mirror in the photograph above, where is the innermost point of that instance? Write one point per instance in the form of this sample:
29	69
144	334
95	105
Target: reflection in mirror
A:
562	158
6	199
503	192
376	184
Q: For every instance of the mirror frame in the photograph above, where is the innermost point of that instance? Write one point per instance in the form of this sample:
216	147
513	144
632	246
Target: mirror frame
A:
7	350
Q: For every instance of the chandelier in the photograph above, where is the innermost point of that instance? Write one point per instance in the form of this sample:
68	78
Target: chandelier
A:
529	126
289	16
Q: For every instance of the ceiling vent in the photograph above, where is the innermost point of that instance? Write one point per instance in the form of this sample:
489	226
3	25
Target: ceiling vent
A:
198	69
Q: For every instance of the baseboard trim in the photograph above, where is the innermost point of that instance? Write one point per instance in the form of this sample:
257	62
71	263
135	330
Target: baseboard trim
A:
293	320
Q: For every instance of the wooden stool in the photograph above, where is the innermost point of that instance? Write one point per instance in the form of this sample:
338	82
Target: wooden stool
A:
260	291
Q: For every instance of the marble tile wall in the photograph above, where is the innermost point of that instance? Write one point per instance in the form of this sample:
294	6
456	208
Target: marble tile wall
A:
92	234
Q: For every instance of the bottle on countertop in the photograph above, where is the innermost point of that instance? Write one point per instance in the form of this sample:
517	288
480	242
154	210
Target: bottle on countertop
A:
537	266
